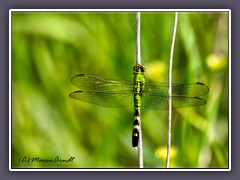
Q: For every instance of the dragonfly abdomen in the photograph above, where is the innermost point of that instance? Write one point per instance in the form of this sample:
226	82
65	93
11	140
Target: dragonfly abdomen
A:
135	133
137	106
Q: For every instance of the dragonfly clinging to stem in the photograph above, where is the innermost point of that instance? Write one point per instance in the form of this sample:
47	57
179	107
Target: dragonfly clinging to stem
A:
123	93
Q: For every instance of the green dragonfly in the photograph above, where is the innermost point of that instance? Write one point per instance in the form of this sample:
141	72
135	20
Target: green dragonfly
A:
123	93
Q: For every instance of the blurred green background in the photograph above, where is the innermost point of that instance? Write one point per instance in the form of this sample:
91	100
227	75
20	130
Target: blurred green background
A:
48	48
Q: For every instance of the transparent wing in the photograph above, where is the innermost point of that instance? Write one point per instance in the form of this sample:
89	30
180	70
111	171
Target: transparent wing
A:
155	95
113	99
88	82
103	92
156	101
188	89
119	93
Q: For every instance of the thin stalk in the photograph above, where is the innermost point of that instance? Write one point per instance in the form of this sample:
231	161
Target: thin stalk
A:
170	91
138	55
138	61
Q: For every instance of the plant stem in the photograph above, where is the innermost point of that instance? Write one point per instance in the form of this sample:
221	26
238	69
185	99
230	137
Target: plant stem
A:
138	61
138	56
170	91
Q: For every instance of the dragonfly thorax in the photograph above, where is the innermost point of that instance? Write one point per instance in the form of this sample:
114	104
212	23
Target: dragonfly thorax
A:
138	84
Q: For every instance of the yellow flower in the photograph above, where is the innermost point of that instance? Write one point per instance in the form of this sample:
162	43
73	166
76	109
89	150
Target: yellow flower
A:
216	62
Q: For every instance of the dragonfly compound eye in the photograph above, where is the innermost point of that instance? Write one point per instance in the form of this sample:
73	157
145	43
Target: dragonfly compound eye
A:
138	69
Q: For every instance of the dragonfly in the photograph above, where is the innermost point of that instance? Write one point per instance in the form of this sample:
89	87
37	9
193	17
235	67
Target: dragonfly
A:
137	93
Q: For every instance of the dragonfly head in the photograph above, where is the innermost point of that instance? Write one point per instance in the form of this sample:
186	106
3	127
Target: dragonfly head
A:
138	68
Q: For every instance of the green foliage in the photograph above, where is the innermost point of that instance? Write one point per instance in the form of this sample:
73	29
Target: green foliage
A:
48	48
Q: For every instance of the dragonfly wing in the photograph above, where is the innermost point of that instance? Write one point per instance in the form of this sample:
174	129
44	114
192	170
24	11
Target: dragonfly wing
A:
91	83
156	101
188	89
113	99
